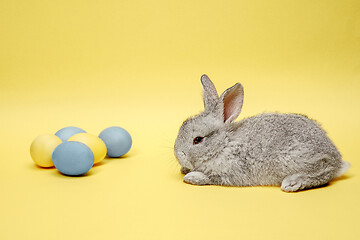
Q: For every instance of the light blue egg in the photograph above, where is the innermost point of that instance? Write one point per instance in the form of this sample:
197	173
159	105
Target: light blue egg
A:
73	158
117	140
65	133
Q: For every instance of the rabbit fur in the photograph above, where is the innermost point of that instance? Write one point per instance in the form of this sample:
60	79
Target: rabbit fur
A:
289	150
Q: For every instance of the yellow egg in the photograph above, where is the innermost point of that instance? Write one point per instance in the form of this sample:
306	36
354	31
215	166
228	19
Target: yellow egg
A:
42	147
96	145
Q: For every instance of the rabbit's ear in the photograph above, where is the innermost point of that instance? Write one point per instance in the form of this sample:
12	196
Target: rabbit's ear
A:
231	102
210	95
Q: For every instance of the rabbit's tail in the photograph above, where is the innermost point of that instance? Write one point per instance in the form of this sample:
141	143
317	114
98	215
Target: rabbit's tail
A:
343	168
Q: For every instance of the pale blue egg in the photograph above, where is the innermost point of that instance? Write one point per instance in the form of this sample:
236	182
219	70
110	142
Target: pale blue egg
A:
117	140
65	133
73	158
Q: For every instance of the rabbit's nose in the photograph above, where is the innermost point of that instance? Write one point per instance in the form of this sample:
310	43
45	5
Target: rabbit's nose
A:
185	170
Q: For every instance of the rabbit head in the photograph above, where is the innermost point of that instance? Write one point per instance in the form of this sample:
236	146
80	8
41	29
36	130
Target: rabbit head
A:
203	136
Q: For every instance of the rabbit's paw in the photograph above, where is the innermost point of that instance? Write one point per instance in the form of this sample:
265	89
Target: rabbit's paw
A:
293	183
196	178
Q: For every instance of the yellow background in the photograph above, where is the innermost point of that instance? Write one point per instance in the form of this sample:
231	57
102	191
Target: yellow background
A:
137	64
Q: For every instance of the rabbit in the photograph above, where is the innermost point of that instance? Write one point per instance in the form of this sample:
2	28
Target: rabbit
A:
287	150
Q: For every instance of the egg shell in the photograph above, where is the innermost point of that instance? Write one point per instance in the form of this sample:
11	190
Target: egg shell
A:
117	140
65	133
41	149
73	158
96	145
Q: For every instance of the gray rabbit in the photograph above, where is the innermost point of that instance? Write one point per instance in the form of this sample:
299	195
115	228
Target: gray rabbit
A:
290	150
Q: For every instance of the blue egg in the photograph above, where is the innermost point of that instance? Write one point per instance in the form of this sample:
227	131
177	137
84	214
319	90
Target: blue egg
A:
65	133
117	140
73	158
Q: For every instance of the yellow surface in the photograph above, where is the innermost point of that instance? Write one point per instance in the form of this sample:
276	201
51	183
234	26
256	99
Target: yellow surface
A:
42	147
137	64
96	145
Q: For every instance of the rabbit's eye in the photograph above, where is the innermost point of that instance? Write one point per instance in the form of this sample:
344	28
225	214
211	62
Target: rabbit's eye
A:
197	140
